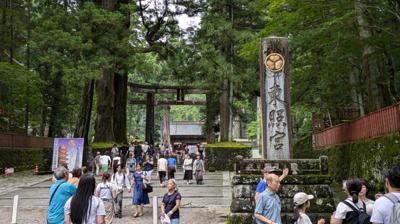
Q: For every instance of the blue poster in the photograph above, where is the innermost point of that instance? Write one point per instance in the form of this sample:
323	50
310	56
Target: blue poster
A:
68	151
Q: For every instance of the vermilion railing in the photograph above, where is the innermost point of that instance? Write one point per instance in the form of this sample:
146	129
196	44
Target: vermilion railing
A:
372	125
8	140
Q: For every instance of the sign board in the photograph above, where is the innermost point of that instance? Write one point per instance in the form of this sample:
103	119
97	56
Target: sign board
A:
68	151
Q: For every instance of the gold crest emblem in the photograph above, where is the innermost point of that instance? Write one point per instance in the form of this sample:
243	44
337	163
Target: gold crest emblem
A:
274	62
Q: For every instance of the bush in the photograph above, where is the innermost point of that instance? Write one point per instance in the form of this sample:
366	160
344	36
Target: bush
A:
221	156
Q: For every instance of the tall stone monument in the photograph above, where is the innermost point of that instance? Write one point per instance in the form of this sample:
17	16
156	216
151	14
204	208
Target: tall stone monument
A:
276	127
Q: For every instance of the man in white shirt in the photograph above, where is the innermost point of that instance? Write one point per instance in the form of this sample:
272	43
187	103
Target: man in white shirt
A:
145	147
162	166
384	206
121	181
105	162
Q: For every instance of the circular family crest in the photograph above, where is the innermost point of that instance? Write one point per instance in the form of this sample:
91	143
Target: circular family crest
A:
274	62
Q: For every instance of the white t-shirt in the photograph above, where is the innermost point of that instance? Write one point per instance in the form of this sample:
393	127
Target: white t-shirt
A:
118	180
303	219
104	160
105	190
342	209
117	160
96	209
382	209
162	164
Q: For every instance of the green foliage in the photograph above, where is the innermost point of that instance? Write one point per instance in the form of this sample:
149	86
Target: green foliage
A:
227	146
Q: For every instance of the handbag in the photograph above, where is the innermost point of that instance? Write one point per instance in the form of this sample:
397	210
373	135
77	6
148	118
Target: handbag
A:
146	187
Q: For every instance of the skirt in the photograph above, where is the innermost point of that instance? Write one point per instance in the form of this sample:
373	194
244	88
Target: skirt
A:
139	196
199	175
109	207
188	175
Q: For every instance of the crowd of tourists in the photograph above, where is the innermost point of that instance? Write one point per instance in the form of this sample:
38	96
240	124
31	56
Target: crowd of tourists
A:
75	197
357	208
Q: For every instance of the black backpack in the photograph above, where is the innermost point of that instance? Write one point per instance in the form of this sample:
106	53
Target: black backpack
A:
357	216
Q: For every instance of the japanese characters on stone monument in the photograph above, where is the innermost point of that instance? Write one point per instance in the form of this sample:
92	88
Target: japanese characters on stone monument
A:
275	98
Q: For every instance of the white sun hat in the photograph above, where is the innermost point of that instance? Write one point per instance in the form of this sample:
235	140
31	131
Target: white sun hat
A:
301	198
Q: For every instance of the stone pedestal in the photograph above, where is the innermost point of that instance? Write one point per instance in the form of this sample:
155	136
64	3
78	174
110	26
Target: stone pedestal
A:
311	176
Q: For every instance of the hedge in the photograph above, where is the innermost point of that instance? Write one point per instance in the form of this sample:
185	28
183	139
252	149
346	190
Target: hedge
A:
221	156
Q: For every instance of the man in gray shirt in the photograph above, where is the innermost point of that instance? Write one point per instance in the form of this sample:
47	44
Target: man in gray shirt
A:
268	204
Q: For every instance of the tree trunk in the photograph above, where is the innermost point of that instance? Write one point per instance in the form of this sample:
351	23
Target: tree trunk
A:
166	137
212	109
356	96
391	64
224	112
104	127
83	126
370	67
56	105
149	135
121	94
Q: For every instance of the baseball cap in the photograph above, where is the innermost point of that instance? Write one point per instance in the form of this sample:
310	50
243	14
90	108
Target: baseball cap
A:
301	197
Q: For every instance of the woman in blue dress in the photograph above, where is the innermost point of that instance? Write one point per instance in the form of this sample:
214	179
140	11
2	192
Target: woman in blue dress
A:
140	198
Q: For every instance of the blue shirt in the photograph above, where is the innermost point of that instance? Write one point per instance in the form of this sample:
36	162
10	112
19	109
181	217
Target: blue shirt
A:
171	162
56	208
269	206
261	186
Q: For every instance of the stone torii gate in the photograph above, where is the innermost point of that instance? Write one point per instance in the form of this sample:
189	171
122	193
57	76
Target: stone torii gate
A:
150	102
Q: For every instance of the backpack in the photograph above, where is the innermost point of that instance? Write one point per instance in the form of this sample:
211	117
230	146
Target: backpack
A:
395	215
357	216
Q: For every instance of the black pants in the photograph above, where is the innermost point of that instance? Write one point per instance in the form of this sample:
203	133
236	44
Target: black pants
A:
171	172
161	175
118	203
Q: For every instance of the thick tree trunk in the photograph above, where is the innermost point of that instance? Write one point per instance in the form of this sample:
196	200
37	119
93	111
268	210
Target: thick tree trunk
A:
82	128
104	127
149	135
212	109
166	137
356	96
121	94
391	65
370	67
56	105
224	112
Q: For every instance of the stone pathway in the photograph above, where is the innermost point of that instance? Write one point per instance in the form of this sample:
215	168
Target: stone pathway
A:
208	203
20	179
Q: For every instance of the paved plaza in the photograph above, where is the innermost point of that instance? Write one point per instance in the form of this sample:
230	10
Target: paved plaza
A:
208	203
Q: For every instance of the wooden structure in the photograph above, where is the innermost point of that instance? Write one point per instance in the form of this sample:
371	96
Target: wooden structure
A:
372	125
276	127
150	102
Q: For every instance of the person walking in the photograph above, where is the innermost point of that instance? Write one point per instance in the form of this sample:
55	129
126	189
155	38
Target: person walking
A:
262	184
116	161
363	196
97	163
171	203
84	207
114	151
76	174
138	154
387	208
301	202
148	167
105	162
121	181
171	166
268	205
107	192
162	166
199	170
131	164
59	193
348	210
140	197
188	169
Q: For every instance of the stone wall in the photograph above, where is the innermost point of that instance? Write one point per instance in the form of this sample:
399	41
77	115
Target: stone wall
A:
221	156
310	176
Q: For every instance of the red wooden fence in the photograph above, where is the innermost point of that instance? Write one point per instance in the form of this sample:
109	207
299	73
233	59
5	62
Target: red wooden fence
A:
373	125
12	141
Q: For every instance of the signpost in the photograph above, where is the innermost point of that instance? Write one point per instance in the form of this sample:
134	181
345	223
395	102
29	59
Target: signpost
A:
275	98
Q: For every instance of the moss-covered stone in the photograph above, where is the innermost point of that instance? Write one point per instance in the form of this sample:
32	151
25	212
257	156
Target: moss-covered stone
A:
221	156
367	159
